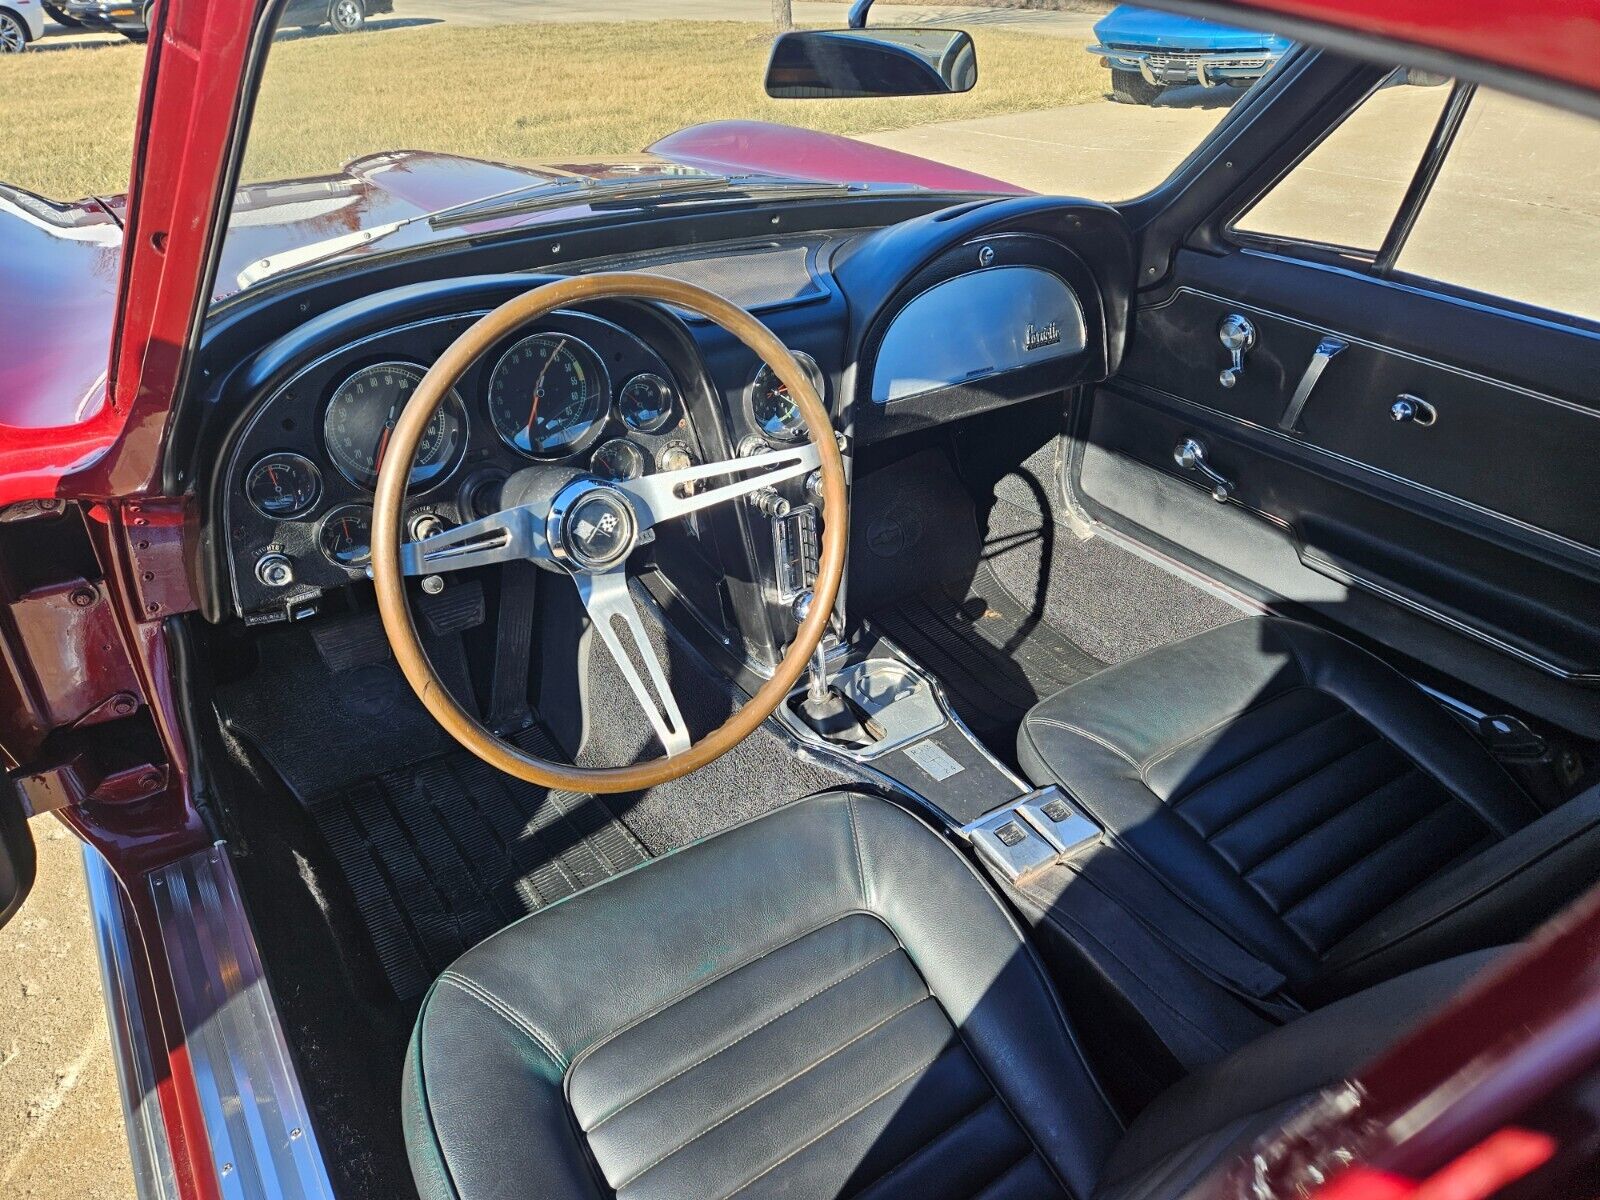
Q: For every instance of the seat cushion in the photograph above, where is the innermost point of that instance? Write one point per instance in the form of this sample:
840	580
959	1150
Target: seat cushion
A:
1287	783
824	1002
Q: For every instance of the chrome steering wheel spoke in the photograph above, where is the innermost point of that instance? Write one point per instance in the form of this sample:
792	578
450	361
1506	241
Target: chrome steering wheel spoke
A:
500	537
656	498
606	598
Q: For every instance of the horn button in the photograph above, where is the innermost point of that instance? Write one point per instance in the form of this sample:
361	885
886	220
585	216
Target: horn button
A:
593	527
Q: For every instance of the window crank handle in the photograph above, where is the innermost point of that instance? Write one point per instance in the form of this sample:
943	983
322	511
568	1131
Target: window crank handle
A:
1190	454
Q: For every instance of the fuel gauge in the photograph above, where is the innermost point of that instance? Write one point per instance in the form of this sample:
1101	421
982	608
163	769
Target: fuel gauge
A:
283	486
346	536
618	459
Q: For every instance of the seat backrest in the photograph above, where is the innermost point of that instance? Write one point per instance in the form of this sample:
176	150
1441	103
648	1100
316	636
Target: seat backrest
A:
830	992
1287	783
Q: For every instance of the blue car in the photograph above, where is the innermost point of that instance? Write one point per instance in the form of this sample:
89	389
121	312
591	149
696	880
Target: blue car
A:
1149	52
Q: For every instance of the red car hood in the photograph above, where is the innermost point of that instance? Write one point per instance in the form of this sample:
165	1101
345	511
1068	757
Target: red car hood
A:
59	275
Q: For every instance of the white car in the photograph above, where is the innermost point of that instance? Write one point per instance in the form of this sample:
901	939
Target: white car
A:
21	22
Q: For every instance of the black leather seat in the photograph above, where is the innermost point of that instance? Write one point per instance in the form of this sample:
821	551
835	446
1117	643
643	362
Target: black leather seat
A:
825	1002
1314	803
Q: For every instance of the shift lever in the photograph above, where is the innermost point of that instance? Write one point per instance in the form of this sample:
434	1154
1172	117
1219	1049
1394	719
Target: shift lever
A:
824	708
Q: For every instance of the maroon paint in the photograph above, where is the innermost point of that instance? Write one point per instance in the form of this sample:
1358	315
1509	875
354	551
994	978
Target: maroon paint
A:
52	353
1533	1028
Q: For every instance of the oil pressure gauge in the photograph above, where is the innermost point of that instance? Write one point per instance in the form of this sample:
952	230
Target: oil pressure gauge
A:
284	486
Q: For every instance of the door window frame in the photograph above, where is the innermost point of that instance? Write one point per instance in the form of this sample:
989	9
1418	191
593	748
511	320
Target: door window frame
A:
1380	264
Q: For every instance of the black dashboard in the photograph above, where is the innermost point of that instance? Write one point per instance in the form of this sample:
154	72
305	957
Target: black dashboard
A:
942	316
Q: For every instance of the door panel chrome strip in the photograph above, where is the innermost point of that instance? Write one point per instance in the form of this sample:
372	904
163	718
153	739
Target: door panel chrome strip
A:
262	1143
153	1175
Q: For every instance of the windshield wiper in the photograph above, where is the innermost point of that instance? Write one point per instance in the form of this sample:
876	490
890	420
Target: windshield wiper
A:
567	191
535	197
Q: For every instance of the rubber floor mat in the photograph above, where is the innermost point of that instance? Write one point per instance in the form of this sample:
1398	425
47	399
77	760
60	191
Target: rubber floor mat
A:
995	659
442	854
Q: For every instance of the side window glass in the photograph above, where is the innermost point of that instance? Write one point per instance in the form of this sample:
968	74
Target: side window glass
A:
1515	210
1346	192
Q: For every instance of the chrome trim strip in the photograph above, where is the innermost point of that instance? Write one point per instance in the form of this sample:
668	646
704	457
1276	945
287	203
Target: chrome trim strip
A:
1589	555
261	1140
153	1174
1383	349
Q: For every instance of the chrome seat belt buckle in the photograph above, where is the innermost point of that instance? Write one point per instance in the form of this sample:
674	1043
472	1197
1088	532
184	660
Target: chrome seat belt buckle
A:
1030	834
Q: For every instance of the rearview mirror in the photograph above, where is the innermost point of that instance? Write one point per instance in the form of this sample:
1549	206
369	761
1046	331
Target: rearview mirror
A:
854	63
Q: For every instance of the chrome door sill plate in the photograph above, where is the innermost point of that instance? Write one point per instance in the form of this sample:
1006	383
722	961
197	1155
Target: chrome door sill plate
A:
259	1130
148	1147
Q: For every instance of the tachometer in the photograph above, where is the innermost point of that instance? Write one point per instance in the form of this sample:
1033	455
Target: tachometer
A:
361	417
549	395
774	411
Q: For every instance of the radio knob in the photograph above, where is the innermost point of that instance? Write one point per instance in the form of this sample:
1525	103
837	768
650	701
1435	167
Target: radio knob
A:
275	570
769	503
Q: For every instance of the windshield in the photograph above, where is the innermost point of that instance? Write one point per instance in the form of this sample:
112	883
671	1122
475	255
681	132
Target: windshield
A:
375	115
545	107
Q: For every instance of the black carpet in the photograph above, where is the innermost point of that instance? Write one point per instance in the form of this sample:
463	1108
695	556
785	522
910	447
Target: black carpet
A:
919	570
995	659
441	856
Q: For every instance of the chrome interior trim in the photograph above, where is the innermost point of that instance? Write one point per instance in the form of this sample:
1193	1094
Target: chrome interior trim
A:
1589	555
261	1140
151	1152
1422	360
1030	315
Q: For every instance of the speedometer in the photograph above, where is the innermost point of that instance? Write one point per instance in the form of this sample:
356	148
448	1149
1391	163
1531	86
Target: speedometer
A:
549	395
360	420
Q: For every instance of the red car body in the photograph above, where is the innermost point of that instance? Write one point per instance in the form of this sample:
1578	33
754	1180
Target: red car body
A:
64	257
1439	1116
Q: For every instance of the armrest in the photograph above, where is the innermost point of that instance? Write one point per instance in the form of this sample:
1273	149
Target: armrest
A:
1491	899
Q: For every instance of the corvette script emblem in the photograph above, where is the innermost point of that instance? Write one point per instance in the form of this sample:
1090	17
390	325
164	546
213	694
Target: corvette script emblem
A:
1036	337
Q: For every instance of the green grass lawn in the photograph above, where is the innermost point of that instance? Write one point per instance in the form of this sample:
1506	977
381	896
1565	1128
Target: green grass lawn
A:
514	92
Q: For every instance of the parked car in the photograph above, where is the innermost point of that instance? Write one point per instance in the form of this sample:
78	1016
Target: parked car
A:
774	666
21	24
1149	52
131	18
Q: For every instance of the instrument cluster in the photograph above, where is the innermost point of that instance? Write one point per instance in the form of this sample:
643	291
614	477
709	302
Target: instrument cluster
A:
572	388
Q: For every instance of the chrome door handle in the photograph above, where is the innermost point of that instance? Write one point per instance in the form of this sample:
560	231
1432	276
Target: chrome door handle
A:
1412	409
1190	454
1328	349
1237	336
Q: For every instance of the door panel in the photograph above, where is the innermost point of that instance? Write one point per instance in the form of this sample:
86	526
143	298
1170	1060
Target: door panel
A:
1473	544
1489	441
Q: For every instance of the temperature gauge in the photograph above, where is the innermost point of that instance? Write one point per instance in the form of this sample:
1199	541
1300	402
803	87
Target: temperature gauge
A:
346	536
283	486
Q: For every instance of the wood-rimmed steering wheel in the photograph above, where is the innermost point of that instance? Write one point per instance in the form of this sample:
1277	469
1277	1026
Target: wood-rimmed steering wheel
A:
569	521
